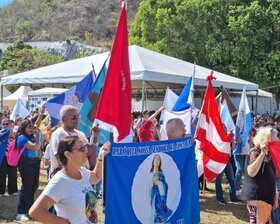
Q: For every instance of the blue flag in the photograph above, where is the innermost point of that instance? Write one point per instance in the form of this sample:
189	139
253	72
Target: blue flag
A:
4	142
226	116
75	96
243	123
185	99
152	182
88	110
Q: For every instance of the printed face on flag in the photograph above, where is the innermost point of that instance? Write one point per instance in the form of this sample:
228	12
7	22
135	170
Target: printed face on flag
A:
75	96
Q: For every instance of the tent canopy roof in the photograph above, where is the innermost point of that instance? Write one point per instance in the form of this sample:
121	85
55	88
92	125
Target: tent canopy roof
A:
157	69
260	93
6	92
20	93
47	91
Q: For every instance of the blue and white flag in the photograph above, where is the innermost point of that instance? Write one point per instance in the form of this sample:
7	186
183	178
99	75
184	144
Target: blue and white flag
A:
75	96
186	98
243	123
4	143
19	111
226	116
88	110
152	182
169	101
184	115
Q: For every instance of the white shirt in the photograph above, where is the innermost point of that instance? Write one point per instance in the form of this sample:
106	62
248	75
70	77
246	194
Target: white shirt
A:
77	201
56	137
47	152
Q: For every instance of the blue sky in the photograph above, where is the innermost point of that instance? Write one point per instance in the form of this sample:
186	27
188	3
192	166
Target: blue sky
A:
5	2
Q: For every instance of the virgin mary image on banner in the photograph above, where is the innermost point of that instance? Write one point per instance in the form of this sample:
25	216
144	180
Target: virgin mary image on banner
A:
156	189
158	192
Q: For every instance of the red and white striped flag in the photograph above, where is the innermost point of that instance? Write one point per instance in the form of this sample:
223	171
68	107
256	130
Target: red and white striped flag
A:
114	106
212	137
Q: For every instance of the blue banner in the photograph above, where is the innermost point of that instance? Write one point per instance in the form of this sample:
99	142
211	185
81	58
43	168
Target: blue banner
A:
4	142
75	96
152	182
88	110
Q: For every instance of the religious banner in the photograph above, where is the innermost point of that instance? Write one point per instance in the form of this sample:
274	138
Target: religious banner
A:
152	182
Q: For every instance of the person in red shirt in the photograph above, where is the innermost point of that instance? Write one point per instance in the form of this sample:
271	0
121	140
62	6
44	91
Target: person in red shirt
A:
147	129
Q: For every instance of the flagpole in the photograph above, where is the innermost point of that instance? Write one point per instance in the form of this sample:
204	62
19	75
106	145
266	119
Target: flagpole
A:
102	195
194	65
199	117
219	95
93	70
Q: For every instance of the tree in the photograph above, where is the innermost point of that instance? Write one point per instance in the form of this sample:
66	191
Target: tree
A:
240	38
21	57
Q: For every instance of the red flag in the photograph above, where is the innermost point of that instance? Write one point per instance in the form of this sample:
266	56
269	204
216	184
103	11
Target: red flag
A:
114	106
212	137
274	149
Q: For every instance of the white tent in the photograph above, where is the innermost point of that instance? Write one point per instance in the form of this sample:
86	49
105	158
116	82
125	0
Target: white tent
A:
47	91
38	97
266	101
58	75
155	69
260	93
6	92
21	93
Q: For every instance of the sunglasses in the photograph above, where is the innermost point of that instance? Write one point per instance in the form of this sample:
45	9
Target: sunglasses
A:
82	149
31	126
5	124
74	117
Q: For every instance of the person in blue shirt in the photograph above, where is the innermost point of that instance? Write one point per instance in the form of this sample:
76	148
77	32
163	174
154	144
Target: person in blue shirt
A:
5	169
27	137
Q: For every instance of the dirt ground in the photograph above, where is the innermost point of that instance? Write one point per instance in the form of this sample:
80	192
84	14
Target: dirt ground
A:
211	211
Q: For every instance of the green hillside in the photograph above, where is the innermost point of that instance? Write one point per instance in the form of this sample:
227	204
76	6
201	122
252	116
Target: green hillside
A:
89	21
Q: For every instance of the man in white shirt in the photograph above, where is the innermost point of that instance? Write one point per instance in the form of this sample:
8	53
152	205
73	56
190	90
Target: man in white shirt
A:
69	117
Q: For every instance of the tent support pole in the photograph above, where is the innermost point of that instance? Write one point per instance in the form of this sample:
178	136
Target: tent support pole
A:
253	104
2	90
257	99
143	95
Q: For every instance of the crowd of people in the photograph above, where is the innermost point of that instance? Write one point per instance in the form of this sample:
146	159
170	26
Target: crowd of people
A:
254	162
76	161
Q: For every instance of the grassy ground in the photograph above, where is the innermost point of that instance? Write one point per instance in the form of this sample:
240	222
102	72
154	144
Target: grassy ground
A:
211	211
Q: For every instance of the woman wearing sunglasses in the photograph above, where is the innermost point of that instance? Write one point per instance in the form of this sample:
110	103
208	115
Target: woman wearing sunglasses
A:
70	190
27	137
